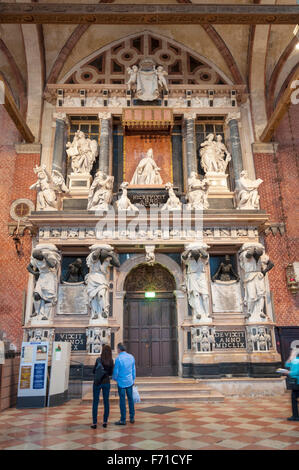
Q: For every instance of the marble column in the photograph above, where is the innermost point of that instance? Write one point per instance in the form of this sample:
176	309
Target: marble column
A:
104	142
58	162
190	143
234	137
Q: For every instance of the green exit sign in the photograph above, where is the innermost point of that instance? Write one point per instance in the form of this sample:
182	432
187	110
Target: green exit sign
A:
149	295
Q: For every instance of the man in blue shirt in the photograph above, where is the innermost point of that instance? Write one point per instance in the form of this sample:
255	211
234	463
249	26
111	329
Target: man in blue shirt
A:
293	364
124	373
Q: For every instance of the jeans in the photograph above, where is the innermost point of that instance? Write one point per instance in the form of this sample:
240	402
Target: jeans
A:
122	402
295	396
95	403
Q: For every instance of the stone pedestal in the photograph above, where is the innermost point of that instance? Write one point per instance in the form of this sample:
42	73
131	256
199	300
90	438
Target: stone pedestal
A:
217	182
98	321
79	184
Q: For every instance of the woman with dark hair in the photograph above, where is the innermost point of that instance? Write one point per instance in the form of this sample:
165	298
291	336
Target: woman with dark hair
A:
107	362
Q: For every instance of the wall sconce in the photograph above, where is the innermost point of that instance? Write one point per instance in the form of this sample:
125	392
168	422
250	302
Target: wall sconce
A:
292	283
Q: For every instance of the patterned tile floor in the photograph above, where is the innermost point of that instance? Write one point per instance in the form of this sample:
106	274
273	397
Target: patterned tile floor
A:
235	424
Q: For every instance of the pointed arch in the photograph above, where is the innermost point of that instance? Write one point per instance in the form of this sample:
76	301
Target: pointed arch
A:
168	52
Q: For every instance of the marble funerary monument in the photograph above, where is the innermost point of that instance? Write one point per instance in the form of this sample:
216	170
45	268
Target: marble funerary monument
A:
149	229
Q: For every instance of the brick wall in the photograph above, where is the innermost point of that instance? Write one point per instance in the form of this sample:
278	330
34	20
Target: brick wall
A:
9	376
16	175
279	197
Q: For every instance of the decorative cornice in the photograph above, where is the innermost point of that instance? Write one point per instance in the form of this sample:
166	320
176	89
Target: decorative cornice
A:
275	227
75	13
261	147
28	148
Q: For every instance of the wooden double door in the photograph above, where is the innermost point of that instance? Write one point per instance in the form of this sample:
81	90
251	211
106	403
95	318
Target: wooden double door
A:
150	334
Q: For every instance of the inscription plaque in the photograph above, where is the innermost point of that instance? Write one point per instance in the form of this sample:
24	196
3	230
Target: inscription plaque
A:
77	340
72	300
230	339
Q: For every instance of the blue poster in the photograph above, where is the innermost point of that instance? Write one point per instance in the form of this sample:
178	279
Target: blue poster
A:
39	376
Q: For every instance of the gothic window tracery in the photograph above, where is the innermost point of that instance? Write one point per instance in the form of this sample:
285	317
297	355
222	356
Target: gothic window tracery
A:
109	66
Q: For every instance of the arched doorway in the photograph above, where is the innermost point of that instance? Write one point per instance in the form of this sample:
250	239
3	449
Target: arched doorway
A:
150	324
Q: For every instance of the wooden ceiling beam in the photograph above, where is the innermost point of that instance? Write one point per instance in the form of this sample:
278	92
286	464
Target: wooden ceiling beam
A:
106	13
16	116
281	108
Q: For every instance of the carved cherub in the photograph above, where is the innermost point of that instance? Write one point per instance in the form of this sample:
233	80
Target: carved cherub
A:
132	72
161	74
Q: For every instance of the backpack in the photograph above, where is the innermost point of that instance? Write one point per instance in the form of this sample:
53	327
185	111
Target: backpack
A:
100	373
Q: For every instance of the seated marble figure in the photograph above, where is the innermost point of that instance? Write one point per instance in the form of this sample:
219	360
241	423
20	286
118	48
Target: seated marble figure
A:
147	171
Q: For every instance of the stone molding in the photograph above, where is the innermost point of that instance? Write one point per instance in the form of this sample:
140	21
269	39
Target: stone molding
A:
261	147
28	148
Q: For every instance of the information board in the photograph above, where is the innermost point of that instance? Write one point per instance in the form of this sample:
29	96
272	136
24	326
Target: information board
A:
32	387
60	371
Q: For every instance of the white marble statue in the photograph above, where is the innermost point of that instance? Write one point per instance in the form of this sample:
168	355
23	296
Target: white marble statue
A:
254	265
132	72
150	254
259	339
147	171
96	338
124	203
173	203
98	262
47	187
203	339
247	196
197	194
224	157
196	259
44	265
213	154
161	74
100	192
83	152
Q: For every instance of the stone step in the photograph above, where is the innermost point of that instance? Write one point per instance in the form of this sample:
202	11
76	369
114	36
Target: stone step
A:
165	398
170	391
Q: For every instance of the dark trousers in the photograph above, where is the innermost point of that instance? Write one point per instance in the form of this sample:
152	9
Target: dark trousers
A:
295	396
96	396
122	392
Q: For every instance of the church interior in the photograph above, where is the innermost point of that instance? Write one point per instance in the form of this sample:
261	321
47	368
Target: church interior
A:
149	181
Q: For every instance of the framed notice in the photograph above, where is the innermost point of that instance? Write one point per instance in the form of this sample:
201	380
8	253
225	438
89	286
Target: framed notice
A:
41	352
27	354
25	378
33	372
